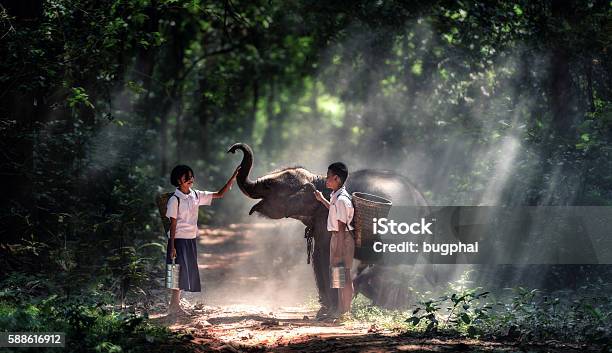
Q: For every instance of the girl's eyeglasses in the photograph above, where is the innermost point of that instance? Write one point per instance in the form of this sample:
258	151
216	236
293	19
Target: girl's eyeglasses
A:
189	177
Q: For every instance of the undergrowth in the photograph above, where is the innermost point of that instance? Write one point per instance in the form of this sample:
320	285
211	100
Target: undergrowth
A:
516	314
90	321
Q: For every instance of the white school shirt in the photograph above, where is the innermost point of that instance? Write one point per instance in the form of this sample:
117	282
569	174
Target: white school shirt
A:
340	209
187	218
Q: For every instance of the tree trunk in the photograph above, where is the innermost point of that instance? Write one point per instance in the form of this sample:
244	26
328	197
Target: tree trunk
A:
271	135
163	143
250	127
560	79
203	117
145	65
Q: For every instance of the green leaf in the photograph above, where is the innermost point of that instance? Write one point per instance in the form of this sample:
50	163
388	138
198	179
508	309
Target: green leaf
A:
472	331
414	320
417	68
517	10
431	327
159	245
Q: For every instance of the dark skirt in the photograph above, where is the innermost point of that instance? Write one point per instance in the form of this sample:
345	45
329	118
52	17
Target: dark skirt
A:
187	258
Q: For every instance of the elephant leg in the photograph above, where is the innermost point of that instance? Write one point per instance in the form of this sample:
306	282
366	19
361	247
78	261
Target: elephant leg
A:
363	284
328	297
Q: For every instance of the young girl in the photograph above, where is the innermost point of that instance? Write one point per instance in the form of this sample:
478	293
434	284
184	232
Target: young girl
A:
182	210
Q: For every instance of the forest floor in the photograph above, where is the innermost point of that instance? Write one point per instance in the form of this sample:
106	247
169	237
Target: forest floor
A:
258	296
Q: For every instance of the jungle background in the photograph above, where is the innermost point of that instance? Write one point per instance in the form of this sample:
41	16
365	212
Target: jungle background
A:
477	102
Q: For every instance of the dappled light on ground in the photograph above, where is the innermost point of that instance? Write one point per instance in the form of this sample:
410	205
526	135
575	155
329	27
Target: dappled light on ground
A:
254	302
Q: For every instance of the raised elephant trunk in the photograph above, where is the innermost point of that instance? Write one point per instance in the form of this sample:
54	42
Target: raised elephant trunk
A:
247	186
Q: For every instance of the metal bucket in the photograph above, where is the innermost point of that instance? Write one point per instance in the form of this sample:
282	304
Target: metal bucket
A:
338	277
172	275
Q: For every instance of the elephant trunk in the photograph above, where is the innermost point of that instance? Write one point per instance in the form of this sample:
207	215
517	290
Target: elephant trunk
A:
246	185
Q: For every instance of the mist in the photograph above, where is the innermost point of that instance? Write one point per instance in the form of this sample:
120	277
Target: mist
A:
397	116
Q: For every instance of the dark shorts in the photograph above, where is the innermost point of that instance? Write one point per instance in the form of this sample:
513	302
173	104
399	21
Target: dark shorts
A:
187	258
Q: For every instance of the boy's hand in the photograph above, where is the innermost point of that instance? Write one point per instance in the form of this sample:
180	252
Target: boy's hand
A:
318	195
173	252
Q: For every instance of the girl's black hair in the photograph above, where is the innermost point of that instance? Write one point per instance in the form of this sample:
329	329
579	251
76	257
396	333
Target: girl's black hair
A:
178	172
340	170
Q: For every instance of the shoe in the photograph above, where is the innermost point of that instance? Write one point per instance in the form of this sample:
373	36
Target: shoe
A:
331	317
323	313
178	312
202	324
185	304
345	318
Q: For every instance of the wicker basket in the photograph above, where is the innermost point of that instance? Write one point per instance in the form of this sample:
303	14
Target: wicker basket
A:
367	207
162	201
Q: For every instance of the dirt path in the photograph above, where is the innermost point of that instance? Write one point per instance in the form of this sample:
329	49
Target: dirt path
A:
259	292
259	296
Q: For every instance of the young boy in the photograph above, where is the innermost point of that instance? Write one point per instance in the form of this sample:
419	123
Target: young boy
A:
184	228
342	244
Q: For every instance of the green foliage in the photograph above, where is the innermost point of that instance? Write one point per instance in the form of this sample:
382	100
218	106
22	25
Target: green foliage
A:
518	314
531	315
90	325
526	315
100	99
363	311
464	313
96	230
79	96
428	318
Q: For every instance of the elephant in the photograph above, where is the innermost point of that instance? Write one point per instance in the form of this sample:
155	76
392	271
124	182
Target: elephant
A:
289	193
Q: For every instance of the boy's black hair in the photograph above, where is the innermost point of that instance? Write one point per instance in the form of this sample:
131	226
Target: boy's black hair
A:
178	172
339	169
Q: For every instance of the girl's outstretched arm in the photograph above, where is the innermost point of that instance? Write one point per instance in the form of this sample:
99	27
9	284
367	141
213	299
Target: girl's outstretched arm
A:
219	194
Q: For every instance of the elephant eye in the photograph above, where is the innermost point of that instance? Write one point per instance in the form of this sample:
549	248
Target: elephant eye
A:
267	184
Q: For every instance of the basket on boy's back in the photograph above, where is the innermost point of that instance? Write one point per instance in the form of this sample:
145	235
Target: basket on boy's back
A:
368	207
